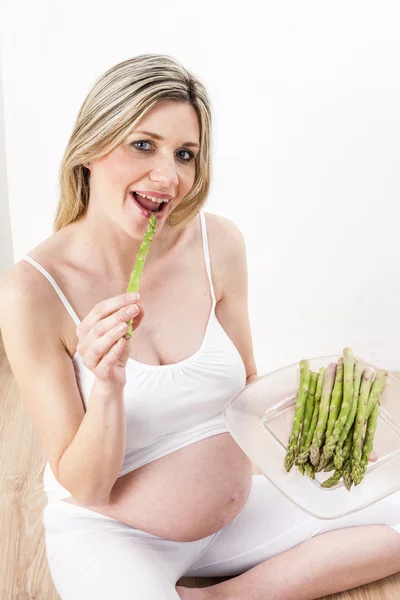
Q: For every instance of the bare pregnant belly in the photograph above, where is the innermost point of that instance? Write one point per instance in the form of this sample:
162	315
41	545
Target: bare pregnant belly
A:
186	495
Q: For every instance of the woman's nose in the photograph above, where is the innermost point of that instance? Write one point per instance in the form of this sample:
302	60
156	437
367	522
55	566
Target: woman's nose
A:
165	174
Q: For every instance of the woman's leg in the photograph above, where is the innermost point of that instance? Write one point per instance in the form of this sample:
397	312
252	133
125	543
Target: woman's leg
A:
278	551
91	556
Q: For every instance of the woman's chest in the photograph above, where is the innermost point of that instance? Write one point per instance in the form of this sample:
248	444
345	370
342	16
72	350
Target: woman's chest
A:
176	300
176	315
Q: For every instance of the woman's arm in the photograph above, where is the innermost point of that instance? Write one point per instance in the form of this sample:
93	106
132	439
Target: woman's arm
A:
229	266
85	449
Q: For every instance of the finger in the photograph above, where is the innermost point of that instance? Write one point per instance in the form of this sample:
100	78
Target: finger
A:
105	367
135	324
102	327
101	346
104	309
137	319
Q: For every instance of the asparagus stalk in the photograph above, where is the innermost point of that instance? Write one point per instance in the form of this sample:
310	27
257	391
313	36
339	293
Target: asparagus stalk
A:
334	409
327	387
298	414
330	466
348	386
371	415
377	389
336	400
304	456
358	369
366	383
333	480
348	444
141	256
309	410
309	469
347	477
369	439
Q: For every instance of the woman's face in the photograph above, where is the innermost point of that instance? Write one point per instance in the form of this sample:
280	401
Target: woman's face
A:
156	159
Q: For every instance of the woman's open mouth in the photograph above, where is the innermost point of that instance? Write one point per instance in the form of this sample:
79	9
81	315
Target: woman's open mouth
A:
147	206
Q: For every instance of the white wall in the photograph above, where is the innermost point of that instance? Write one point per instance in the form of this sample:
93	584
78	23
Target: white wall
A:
6	245
306	100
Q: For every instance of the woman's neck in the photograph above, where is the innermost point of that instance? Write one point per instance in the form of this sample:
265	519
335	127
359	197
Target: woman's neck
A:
111	251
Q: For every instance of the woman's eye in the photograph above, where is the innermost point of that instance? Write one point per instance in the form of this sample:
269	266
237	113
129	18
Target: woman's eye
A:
190	155
135	144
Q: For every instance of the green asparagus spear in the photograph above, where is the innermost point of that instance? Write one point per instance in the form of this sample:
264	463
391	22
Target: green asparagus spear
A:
334	408
377	389
309	410
333	480
309	469
358	369
369	439
347	446
336	400
298	414
338	458
372	414
304	456
348	385
347	477
327	387
330	466
366	383
141	256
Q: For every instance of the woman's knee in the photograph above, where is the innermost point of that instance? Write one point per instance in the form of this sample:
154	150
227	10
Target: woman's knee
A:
104	564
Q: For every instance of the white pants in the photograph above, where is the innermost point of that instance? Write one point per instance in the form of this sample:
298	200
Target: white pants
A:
93	557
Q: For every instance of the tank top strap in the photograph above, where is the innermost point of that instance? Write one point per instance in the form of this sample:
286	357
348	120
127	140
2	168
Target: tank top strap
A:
207	253
60	294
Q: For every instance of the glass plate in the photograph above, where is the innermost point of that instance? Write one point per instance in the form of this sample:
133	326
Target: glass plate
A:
260	420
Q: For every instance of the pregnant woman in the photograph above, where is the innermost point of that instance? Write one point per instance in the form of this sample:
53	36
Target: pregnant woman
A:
144	482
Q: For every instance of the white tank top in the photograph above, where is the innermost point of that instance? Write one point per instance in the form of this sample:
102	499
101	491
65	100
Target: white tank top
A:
171	406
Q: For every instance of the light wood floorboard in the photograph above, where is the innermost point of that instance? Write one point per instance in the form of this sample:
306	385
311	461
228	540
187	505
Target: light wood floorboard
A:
24	574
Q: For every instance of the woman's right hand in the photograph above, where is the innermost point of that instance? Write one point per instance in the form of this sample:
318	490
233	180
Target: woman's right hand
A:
101	342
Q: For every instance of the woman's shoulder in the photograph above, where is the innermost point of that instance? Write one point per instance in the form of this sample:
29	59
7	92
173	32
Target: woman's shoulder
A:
23	287
226	246
224	236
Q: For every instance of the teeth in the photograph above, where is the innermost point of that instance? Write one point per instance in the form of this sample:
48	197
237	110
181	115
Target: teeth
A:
158	200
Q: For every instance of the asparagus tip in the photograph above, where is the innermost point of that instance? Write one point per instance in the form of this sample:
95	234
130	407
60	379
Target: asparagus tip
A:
348	352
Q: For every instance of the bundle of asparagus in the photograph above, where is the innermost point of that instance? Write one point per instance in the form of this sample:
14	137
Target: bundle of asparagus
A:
335	419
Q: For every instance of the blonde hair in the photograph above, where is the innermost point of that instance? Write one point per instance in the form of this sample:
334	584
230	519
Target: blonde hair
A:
117	101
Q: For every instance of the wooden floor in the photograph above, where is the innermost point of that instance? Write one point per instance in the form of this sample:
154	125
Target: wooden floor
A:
24	574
